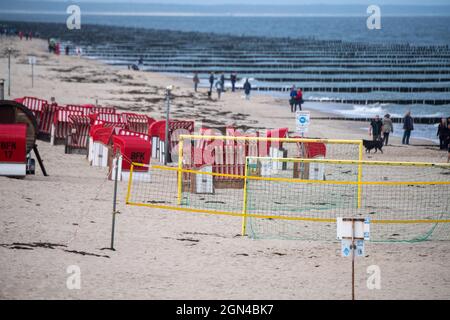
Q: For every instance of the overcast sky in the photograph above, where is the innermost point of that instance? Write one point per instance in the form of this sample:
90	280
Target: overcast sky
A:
272	2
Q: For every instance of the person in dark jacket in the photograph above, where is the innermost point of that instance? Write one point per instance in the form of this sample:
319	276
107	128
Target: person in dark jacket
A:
292	96
196	81
448	139
211	81
247	89
233	78
443	133
408	126
222	82
375	128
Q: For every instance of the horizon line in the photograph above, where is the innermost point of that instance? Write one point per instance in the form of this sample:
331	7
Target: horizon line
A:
216	14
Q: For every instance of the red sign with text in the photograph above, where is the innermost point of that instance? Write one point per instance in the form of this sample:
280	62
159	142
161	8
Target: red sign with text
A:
13	142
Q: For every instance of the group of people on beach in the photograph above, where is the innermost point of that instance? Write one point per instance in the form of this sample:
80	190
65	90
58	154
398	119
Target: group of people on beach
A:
380	129
296	99
8	31
27	34
137	66
219	84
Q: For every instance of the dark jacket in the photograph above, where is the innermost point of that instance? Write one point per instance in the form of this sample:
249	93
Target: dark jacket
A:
376	127
408	123
443	130
247	87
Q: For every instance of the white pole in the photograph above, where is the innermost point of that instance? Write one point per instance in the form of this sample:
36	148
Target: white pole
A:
353	259
166	142
113	227
9	72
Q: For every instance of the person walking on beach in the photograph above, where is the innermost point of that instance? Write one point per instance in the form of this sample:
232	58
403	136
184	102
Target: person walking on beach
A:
375	128
67	50
443	133
218	86
233	78
247	89
211	81
387	128
448	140
222	82
196	81
299	100
292	96
408	126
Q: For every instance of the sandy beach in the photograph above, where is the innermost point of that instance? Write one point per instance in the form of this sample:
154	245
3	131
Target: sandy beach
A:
51	223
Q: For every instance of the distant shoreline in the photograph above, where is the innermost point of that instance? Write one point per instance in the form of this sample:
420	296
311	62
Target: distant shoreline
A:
290	27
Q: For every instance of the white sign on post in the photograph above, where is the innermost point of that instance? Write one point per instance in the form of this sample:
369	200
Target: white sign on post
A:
302	121
31	60
360	248
345	229
346	247
346	234
352	232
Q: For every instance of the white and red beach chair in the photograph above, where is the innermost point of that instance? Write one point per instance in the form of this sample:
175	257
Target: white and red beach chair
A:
77	140
61	125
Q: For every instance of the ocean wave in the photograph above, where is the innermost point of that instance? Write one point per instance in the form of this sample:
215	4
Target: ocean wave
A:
364	111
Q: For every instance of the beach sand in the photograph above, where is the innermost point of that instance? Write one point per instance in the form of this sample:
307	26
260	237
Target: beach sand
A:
51	223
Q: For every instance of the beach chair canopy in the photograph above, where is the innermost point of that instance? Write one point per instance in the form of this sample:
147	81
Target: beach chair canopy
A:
103	135
132	149
12	112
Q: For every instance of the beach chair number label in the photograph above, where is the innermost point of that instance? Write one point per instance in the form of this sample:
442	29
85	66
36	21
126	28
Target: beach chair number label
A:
8	149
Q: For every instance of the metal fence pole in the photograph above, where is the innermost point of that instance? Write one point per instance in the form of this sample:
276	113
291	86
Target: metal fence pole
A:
9	72
116	174
166	142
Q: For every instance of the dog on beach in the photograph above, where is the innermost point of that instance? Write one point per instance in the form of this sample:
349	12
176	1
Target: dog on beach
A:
369	145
